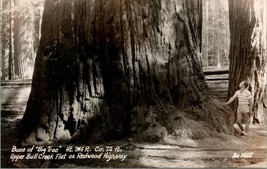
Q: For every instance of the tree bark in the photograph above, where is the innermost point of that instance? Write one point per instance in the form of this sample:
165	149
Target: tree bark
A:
111	69
11	55
2	65
20	38
248	52
16	43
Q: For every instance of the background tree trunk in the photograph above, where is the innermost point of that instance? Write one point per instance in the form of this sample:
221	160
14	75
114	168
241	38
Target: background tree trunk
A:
109	69
248	51
20	31
2	65
2	71
216	34
17	72
11	55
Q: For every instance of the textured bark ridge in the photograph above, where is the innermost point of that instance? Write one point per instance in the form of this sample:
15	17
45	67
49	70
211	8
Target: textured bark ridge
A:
248	52
110	69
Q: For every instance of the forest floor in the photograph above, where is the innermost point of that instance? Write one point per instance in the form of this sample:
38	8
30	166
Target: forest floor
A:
183	153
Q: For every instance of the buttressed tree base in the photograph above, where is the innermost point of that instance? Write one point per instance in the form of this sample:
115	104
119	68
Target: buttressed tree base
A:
116	69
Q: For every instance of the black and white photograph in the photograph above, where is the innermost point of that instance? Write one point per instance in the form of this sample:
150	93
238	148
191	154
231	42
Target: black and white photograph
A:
133	83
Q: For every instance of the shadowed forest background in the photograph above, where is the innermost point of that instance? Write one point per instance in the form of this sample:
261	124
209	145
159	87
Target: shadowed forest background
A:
146	71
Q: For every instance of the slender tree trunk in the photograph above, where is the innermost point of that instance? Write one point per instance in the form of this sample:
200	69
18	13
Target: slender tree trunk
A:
2	65
16	42
205	33
248	51
110	69
10	57
5	40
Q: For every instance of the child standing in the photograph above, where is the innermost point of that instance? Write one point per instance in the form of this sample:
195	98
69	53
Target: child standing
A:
244	106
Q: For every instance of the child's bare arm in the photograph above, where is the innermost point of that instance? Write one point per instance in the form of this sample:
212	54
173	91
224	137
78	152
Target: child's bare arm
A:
230	100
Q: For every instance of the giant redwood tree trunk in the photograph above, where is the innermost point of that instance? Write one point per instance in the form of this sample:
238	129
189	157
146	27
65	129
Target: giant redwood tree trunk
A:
109	69
248	51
